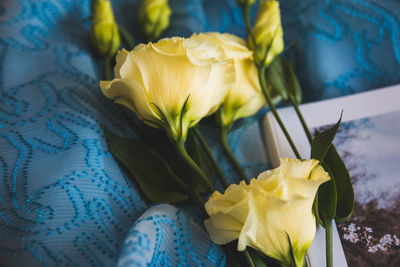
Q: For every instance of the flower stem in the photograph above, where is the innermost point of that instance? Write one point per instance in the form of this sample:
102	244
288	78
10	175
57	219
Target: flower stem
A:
225	184
107	68
126	37
301	118
328	240
261	76
248	258
246	17
247	24
188	160
206	148
229	153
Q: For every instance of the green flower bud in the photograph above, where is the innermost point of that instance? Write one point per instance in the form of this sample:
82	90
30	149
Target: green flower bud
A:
245	2
153	17
267	33
104	31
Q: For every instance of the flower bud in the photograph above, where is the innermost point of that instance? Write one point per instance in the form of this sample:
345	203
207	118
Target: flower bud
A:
245	2
153	17
104	31
245	97
267	33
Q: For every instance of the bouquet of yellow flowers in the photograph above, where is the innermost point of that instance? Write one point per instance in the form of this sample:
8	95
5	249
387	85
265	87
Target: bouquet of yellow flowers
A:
172	84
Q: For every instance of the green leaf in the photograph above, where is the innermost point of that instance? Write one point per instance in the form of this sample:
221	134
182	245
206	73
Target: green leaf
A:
316	211
200	158
283	80
155	138
158	140
341	176
327	200
154	176
341	205
294	86
275	75
327	192
322	141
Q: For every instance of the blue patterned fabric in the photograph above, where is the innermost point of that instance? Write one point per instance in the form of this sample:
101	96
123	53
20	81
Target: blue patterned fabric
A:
63	198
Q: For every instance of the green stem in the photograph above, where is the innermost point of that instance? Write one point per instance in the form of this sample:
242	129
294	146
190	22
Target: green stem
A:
229	153
230	255
107	68
199	200
214	162
126	37
188	160
225	184
301	118
246	16
328	240
248	258
261	76
247	24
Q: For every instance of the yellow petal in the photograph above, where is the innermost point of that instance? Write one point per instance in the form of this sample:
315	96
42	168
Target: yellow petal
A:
233	47
245	97
296	168
220	236
303	177
124	91
226	222
119	61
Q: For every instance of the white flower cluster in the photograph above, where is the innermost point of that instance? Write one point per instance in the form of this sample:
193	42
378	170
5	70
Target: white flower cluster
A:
385	243
362	235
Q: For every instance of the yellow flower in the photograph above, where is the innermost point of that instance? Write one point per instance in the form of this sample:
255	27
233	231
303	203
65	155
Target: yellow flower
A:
104	30
273	208
267	32
245	97
153	17
170	84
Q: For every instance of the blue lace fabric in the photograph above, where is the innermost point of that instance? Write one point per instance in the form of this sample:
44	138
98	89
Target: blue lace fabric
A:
65	201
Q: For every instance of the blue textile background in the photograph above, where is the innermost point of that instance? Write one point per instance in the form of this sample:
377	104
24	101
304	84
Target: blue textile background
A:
63	198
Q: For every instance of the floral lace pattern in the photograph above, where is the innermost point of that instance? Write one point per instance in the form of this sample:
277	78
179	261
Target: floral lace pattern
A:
64	200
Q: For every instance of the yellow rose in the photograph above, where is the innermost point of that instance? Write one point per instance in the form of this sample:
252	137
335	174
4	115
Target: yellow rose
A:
274	207
170	84
104	30
267	32
245	97
153	17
